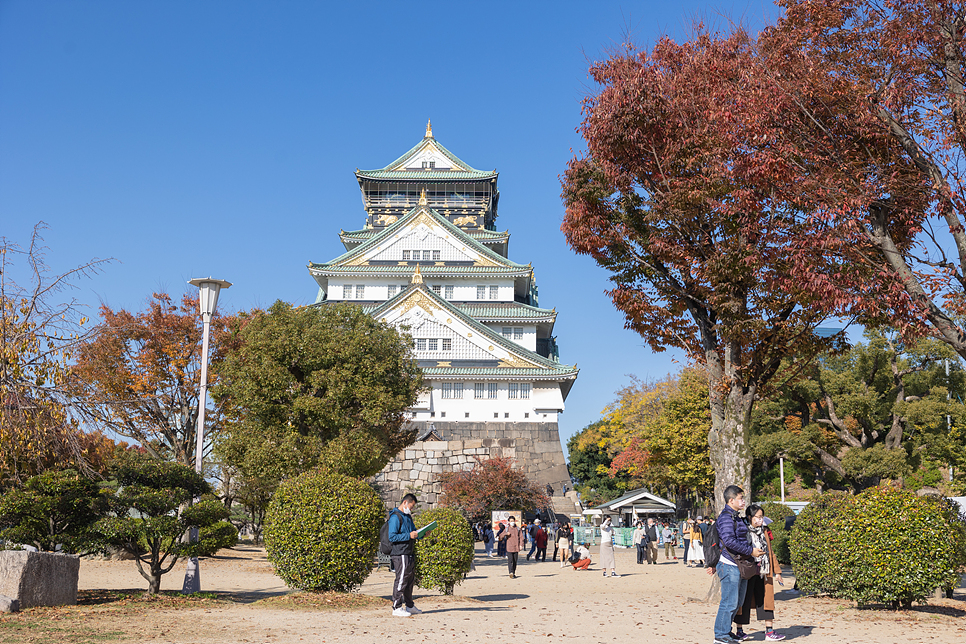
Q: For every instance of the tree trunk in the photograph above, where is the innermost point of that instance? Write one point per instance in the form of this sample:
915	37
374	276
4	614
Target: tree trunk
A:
731	406
154	584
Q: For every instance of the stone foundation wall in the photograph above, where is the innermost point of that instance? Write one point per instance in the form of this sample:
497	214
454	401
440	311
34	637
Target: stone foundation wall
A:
535	447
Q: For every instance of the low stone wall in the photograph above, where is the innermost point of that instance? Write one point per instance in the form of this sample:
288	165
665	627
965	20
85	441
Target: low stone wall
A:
534	446
39	578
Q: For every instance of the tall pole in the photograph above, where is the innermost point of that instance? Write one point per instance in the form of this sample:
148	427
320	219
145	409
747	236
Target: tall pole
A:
781	474
192	575
207	302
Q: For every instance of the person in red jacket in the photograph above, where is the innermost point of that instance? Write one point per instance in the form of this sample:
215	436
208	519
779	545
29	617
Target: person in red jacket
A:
540	537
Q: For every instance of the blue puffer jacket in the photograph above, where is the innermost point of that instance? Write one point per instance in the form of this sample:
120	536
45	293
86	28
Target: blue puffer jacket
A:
400	526
733	533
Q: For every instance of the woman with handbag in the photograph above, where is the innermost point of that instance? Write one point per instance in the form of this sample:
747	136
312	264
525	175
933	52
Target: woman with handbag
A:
760	594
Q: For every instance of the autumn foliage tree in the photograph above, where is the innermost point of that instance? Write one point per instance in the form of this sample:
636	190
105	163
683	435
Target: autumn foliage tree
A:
40	330
704	256
139	375
492	484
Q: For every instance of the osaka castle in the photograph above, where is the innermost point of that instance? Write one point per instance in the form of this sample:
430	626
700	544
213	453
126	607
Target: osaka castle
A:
430	260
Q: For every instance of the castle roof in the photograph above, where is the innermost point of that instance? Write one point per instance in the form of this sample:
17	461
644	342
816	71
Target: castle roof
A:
408	167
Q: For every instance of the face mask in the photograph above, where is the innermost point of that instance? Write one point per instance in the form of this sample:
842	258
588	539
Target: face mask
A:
513	524
406	510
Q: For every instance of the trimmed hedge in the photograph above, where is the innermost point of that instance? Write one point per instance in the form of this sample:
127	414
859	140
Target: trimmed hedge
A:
777	513
322	530
884	545
444	555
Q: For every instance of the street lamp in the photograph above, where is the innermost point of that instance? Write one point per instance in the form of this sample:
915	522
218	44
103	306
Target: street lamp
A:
207	301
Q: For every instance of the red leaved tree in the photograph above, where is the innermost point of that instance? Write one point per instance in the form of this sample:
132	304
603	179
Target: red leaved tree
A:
492	484
139	376
676	198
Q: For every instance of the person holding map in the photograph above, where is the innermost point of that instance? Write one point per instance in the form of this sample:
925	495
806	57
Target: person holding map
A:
402	536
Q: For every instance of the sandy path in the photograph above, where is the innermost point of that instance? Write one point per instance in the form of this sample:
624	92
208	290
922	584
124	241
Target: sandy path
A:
545	601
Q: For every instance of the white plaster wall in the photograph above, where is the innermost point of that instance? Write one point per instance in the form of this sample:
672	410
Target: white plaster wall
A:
543	405
464	290
529	340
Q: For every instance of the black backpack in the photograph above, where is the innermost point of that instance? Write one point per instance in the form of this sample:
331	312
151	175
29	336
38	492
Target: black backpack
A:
712	547
385	545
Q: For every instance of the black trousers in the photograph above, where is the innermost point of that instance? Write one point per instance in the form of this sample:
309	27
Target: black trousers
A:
754	599
511	561
556	548
541	554
402	588
641	552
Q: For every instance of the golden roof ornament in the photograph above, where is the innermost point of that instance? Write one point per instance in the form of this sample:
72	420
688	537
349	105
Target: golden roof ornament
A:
422	198
417	276
429	128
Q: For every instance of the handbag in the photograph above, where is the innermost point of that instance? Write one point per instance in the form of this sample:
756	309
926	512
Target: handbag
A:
574	557
747	566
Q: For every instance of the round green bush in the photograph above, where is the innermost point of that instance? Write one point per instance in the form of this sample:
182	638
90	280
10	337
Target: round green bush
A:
217	536
884	545
444	555
322	530
777	513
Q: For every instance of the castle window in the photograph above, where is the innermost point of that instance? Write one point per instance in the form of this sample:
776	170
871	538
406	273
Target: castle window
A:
346	291
432	414
392	290
525	414
514	390
436	255
517	333
448	292
420	344
447	344
433	344
360	291
452	390
525	390
466	414
506	415
496	414
507	332
479	390
405	255
491	389
494	292
442	414
437	289
481	292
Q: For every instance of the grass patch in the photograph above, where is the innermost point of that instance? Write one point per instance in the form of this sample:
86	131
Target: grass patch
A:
322	601
24	628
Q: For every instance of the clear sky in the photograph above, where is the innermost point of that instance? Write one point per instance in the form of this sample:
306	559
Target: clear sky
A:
219	138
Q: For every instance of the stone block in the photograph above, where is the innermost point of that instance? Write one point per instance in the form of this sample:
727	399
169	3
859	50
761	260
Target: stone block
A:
437	469
410	453
505	442
434	445
488	442
8	605
396	466
432	461
407	464
39	578
472	444
455	446
430	454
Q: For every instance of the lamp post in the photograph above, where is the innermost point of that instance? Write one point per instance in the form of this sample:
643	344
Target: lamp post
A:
208	289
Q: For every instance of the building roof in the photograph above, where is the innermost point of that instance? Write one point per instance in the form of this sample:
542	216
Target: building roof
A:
640	500
542	367
505	311
404	221
398	169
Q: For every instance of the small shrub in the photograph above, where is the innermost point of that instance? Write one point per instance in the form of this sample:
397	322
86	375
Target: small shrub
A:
322	530
777	513
884	545
445	555
217	536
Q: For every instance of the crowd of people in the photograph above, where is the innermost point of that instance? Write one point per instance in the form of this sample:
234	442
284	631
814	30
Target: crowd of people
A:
735	546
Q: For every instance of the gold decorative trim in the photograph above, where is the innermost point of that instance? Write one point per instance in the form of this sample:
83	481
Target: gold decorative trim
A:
417	298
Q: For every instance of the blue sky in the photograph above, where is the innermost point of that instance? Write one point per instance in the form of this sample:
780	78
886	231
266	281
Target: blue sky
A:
189	139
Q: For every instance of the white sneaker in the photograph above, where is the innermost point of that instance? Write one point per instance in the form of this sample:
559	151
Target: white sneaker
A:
413	610
401	612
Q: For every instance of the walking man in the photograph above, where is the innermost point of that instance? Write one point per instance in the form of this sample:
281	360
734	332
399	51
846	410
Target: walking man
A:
513	536
532	533
733	534
540	538
402	536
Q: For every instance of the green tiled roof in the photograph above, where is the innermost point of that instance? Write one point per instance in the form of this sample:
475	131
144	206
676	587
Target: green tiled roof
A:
395	270
496	371
503	311
462	170
476	233
390	230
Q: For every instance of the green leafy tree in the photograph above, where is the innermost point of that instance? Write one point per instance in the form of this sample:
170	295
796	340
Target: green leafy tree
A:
317	385
322	531
668	449
51	511
591	453
445	555
146	521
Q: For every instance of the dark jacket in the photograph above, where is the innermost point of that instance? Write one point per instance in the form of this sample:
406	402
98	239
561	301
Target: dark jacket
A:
733	533
651	533
400	525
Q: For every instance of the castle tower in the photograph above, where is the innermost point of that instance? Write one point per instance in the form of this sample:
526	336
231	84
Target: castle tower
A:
429	258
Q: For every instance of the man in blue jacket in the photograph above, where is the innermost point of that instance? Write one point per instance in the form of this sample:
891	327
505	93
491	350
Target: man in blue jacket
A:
733	536
402	536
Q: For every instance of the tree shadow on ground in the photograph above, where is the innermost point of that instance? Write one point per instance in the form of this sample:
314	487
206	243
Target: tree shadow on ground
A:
501	597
